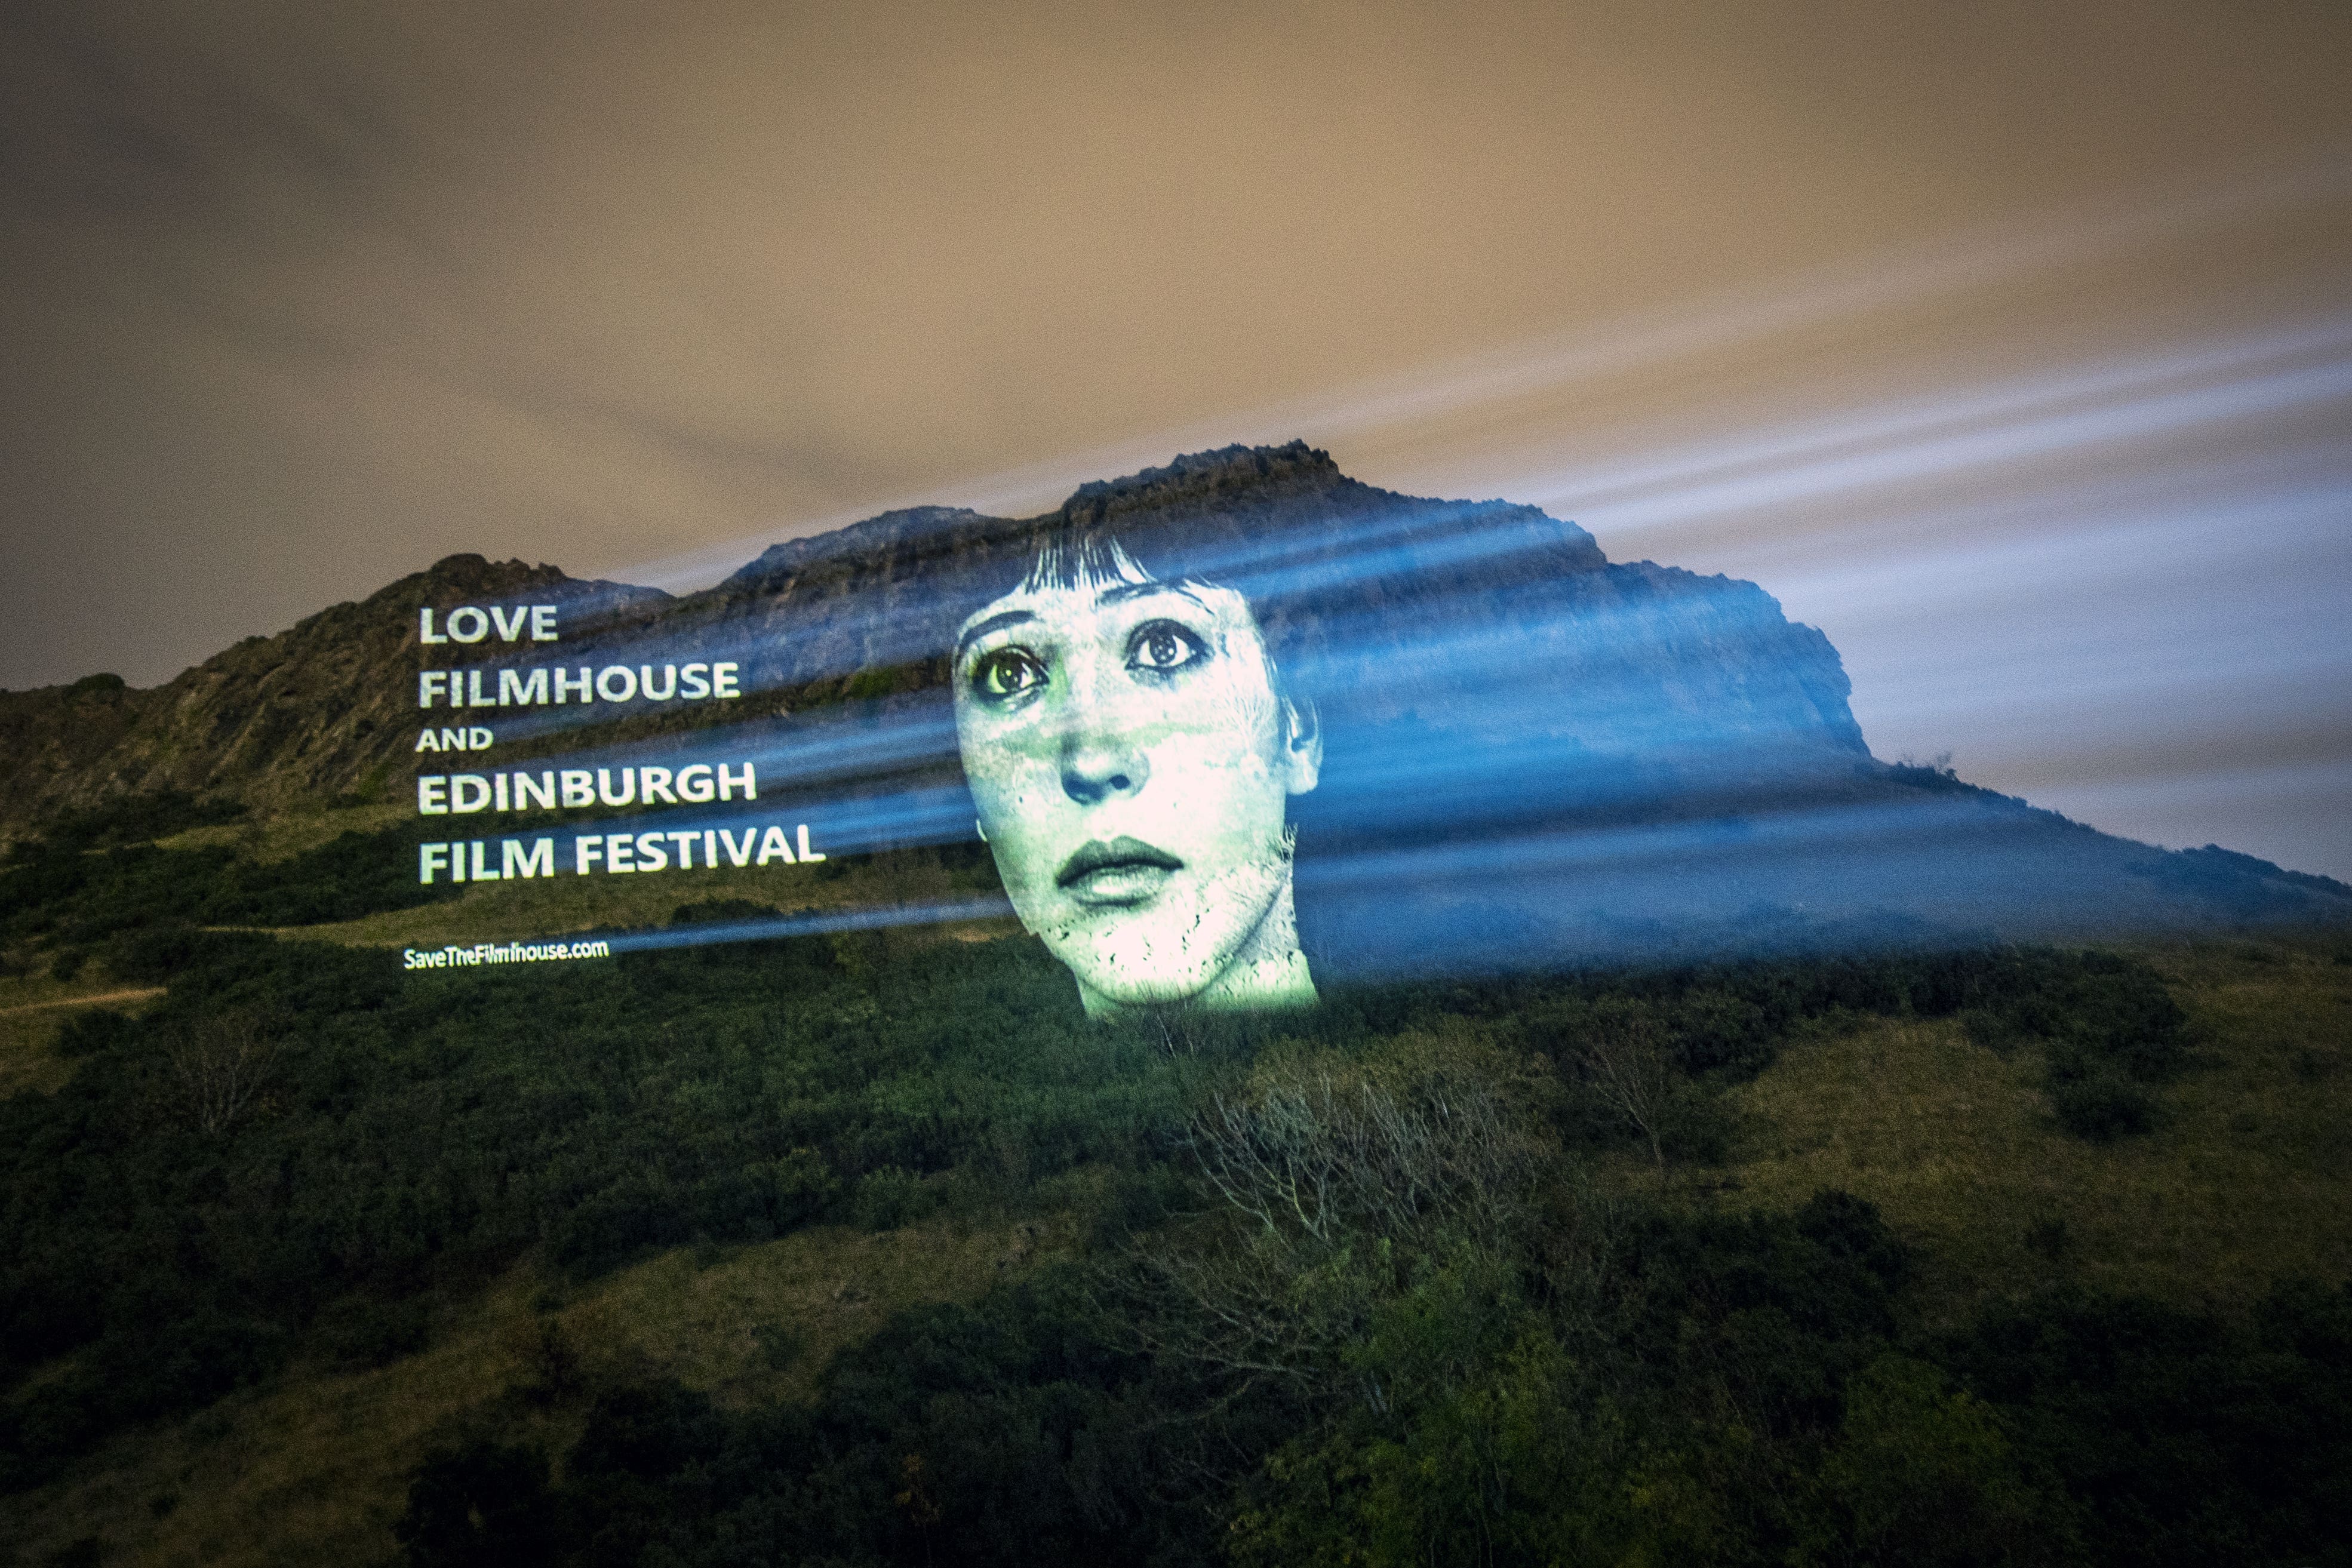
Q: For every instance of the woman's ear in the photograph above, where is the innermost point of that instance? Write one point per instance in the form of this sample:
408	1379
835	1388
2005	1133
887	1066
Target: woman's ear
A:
1302	746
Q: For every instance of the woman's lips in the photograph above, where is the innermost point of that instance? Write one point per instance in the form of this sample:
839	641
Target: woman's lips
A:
1123	871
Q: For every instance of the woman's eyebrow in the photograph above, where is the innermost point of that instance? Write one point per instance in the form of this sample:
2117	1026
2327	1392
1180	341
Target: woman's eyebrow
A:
981	630
1120	593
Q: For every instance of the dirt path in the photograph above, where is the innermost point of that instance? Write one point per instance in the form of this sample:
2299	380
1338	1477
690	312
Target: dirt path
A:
131	996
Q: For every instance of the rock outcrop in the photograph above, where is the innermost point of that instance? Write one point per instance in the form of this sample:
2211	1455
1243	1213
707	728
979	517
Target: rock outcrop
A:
1528	747
326	709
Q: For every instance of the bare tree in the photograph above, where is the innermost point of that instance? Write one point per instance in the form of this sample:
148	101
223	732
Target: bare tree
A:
1621	1052
1327	1149
1183	1029
222	1067
1172	1031
1334	1180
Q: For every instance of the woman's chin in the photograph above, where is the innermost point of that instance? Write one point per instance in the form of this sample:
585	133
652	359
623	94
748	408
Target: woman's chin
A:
1107	983
1225	980
1208	944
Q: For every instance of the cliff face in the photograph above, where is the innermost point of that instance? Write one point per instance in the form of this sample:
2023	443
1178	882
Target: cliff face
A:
1483	616
1529	750
1475	620
1471	616
324	710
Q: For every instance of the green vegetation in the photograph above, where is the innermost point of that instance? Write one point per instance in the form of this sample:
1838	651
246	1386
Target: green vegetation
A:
135	819
869	1248
85	886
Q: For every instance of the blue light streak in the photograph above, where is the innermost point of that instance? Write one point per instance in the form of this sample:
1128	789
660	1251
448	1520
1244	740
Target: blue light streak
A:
2108	530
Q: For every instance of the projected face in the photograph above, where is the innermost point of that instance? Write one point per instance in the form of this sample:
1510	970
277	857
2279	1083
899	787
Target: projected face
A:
1131	758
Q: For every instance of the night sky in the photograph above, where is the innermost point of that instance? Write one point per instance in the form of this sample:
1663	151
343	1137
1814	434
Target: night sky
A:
2011	344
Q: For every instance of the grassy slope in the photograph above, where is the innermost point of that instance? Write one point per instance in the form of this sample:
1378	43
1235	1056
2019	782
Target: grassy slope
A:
281	835
2248	1178
312	1466
33	1008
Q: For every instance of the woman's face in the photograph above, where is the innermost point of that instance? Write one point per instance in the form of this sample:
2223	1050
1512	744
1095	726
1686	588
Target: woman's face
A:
1131	758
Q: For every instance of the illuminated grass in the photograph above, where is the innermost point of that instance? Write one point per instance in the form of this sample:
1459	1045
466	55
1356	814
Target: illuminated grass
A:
283	835
2246	1179
34	1009
313	1467
566	902
722	1328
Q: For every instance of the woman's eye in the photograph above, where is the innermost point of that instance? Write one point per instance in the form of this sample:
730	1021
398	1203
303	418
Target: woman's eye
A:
1162	645
1008	672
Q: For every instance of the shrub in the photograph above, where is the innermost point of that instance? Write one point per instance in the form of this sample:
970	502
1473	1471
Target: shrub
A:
2103	1106
888	1198
487	1506
371	1333
2183	1438
608	1228
1920	1475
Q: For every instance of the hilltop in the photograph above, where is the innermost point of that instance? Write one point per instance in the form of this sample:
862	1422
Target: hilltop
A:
321	709
1554	751
321	712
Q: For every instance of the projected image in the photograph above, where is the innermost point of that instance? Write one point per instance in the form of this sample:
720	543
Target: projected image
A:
1132	750
1414	784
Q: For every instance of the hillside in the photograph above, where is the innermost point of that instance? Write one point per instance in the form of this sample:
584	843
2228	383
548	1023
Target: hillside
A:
321	713
2240	1184
1530	749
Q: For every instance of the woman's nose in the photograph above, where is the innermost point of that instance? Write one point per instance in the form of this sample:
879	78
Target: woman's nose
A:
1100	757
1098	765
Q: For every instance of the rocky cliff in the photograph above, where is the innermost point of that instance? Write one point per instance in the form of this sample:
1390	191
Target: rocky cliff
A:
324	710
1466	617
1557	748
